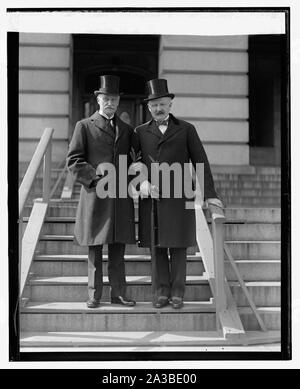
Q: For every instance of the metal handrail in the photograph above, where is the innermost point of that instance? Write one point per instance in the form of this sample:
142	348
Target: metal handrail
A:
33	167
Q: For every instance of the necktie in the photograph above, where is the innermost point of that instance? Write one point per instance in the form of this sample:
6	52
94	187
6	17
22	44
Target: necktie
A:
162	123
110	125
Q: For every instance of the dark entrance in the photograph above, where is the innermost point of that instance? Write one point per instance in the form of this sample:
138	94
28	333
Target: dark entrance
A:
134	58
266	54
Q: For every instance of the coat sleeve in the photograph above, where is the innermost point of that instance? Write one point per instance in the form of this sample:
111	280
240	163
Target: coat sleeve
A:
198	155
80	169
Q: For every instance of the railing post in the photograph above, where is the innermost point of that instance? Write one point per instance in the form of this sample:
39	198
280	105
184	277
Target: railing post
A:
218	220
47	173
20	243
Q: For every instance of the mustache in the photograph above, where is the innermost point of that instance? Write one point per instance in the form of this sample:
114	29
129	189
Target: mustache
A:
160	112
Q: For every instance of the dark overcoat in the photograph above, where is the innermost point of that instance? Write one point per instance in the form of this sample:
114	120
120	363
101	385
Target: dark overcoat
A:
100	220
179	144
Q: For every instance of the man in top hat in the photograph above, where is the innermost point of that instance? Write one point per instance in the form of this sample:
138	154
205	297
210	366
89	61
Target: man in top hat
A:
167	139
99	139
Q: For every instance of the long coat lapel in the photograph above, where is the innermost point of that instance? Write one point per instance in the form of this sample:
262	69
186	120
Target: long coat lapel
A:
101	123
119	128
173	128
152	127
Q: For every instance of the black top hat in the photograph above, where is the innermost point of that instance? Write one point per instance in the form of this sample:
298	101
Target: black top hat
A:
158	88
109	85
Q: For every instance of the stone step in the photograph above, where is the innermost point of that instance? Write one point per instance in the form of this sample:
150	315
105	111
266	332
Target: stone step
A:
251	231
258	199
236	189
254	214
75	288
247	177
225	184
58	244
231	184
68	265
209	340
255	249
261	201
264	293
247	193
245	169
76	265
143	317
75	316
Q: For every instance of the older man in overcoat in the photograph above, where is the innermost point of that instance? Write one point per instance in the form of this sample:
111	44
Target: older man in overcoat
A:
97	140
166	139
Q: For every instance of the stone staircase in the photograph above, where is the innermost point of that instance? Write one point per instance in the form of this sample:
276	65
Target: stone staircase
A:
54	313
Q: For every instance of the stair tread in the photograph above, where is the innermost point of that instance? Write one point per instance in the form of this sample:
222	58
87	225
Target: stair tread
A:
243	222
83	279
84	257
198	279
107	307
71	238
143	306
139	257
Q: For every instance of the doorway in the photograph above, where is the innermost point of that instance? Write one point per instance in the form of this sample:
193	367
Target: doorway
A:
134	58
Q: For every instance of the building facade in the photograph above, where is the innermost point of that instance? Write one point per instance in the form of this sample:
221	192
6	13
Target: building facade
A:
227	86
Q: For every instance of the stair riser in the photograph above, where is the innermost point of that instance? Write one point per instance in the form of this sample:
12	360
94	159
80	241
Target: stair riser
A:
80	268
246	214
56	211
232	231
62	210
256	232
136	322
118	322
251	201
250	198
225	184
234	188
247	177
259	215
249	250
73	293
249	192
260	250
262	295
250	272
258	200
69	247
271	320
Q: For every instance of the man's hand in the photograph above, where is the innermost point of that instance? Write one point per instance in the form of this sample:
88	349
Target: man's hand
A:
95	182
215	201
147	189
136	167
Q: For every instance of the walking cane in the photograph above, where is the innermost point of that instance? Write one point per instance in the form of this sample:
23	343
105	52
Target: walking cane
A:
153	242
154	227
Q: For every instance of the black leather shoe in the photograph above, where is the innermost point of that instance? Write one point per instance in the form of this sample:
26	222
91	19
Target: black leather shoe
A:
161	302
93	303
177	302
123	301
